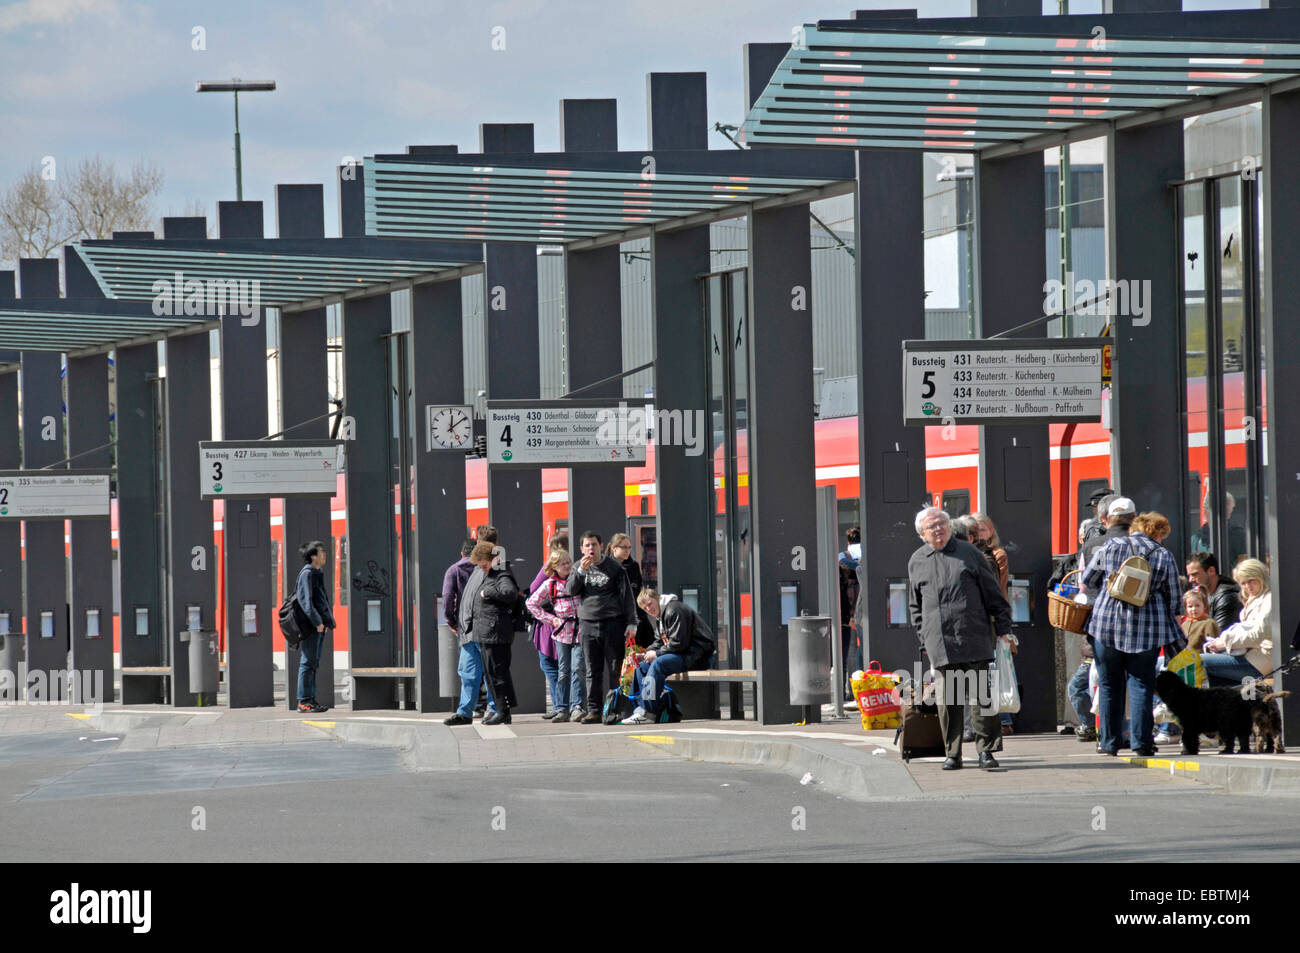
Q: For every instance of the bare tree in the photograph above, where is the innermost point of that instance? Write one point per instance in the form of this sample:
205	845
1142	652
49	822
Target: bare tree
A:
33	219
39	213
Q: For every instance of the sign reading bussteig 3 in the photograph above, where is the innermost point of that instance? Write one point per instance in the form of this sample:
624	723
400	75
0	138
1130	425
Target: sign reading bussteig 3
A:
1048	380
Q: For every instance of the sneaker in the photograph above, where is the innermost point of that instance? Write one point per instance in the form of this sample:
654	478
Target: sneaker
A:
1163	738
561	717
458	719
551	714
304	708
638	717
1085	733
591	718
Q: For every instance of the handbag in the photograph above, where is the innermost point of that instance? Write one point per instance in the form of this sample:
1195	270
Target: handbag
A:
1131	582
1005	673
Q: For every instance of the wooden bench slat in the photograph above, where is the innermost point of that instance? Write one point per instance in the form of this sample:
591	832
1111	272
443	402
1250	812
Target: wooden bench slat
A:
717	675
384	672
146	670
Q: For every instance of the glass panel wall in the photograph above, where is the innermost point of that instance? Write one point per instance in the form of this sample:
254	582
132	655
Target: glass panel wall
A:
1195	330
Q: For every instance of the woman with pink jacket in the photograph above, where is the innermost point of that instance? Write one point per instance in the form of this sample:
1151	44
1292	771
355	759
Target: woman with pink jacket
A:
556	613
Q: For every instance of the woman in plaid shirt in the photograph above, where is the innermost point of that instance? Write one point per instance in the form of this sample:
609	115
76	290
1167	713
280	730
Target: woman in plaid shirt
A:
1127	639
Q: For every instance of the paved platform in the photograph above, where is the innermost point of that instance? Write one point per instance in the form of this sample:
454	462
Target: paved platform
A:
837	755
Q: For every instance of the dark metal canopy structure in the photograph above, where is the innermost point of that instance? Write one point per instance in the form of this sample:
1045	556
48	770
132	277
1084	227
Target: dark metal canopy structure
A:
287	270
592	198
72	325
952	85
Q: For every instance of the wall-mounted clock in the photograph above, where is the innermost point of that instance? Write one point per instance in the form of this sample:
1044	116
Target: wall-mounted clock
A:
450	426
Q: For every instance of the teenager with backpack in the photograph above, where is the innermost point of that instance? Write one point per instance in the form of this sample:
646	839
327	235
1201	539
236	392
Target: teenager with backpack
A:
316	610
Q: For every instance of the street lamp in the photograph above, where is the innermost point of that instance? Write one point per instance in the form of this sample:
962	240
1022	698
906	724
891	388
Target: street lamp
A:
236	86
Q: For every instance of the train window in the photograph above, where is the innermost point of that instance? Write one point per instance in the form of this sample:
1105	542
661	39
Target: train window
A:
1086	489
956	502
846	515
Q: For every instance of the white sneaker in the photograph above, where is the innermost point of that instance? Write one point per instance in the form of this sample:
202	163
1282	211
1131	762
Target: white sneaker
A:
638	717
1163	738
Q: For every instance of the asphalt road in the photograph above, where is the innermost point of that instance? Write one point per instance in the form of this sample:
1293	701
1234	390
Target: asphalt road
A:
75	798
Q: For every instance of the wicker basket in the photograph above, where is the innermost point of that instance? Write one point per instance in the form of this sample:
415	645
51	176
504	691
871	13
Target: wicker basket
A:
1065	613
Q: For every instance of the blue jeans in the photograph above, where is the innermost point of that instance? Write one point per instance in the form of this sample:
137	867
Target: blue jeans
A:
1113	669
1080	698
470	670
569	677
1226	671
648	682
550	670
308	661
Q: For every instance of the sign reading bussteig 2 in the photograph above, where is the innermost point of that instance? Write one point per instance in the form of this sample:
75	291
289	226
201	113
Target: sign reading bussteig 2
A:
1056	380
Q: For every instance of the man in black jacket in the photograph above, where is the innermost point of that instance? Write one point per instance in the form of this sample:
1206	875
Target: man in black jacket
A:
1224	594
953	594
317	610
606	616
684	644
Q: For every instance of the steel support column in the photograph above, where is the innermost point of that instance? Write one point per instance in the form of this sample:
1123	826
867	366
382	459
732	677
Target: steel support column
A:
91	547
191	555
592	306
44	562
11	559
1014	478
372	632
246	526
438	377
684	506
515	496
782	464
1281	337
1142	238
890	263
304	396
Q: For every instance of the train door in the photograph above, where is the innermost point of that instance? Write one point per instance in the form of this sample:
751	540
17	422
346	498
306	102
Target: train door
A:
1223	366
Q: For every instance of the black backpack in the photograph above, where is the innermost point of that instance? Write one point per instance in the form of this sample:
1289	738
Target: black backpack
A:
293	621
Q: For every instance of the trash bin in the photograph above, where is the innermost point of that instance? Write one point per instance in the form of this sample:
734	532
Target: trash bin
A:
205	672
810	660
448	659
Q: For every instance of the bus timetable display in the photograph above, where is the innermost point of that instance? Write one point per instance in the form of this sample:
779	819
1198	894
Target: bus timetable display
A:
43	495
565	433
1002	382
259	470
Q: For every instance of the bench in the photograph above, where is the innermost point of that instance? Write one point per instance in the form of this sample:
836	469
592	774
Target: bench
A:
152	670
386	672
717	675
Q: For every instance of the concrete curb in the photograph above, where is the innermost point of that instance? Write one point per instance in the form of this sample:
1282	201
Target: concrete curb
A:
424	747
849	772
1257	777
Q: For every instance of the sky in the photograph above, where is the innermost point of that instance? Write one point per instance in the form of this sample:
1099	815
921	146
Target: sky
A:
355	78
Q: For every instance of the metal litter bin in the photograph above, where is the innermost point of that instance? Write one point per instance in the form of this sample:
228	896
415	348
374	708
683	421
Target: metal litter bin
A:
810	660
205	672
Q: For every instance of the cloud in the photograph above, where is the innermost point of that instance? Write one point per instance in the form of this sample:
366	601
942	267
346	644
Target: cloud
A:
27	13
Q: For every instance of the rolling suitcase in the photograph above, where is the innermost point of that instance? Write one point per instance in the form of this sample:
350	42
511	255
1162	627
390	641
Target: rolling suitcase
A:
919	735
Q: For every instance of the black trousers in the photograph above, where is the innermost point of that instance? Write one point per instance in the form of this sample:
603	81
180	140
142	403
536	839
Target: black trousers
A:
602	647
496	668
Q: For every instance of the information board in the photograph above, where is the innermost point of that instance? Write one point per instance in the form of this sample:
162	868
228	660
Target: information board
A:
1050	380
565	433
260	469
54	495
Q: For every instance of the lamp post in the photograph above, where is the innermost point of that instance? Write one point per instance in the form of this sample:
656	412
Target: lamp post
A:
237	86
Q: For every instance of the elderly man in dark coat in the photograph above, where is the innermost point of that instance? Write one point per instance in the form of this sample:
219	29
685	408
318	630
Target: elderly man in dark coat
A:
958	610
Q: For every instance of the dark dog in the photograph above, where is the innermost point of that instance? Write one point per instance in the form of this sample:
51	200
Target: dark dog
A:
1267	718
1207	710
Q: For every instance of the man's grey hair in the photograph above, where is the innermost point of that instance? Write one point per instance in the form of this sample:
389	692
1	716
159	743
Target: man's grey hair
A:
966	527
1103	505
930	511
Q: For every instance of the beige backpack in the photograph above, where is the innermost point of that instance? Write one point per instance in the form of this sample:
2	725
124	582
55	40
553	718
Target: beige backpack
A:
1131	583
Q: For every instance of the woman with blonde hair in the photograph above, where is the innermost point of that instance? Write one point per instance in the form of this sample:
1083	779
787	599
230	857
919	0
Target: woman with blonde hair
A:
556	613
988	542
1245	648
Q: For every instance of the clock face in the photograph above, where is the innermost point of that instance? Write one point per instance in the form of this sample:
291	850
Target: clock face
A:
451	428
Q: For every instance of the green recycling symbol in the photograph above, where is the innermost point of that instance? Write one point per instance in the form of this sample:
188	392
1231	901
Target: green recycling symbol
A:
216	488
506	454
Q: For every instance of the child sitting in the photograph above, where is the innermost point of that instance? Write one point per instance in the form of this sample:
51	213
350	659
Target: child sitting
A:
1197	623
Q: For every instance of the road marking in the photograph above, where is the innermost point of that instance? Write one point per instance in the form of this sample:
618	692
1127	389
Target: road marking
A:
494	732
1161	764
654	739
77	715
321	724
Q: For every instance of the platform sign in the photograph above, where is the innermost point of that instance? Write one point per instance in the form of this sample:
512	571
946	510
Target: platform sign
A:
565	433
1048	380
54	494
261	469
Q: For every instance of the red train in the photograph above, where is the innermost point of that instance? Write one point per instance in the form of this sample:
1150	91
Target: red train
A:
1080	462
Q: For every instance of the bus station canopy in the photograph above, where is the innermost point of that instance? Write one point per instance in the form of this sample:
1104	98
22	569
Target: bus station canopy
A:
1004	83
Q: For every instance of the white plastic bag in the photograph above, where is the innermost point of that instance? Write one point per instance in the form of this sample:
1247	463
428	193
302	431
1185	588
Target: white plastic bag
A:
1008	690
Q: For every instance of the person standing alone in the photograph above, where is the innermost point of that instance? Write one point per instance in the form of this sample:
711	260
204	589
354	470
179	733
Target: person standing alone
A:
317	607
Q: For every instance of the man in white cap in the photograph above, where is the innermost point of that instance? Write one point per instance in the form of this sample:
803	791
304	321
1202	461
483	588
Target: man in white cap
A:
1117	513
